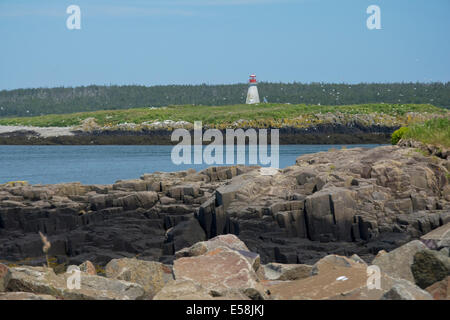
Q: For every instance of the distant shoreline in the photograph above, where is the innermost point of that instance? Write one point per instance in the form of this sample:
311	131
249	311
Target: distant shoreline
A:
321	134
297	124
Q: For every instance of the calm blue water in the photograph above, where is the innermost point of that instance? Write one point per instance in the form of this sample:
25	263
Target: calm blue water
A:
107	164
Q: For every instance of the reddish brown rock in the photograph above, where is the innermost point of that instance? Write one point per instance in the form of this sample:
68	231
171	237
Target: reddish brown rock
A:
229	241
220	270
440	290
325	285
88	267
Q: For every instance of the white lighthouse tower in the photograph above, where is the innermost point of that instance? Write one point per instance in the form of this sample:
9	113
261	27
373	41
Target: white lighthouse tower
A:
252	95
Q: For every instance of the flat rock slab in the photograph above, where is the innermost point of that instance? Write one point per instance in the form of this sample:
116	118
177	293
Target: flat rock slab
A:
25	296
340	278
405	290
323	286
439	237
219	270
41	280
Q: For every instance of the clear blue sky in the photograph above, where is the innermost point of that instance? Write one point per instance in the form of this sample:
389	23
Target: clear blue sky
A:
221	41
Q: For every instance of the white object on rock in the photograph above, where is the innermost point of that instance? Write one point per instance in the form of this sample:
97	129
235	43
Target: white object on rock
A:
342	278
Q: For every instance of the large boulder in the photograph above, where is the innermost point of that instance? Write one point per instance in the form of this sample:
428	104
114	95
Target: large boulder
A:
430	267
220	270
185	234
152	276
405	290
398	262
41	280
229	241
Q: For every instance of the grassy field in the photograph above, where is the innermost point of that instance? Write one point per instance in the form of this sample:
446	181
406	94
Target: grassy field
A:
223	115
436	132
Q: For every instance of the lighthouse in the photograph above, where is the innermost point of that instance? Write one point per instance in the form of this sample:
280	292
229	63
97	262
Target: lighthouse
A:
252	95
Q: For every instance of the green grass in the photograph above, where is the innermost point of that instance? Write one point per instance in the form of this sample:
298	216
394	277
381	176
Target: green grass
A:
223	115
436	132
398	135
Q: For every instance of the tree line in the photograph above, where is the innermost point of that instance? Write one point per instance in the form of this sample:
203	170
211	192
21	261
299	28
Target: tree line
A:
41	101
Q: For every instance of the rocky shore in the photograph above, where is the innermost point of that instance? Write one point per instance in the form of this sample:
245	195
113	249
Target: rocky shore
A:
223	268
308	231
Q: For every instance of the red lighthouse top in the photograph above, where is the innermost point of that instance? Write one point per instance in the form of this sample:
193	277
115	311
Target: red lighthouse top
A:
252	78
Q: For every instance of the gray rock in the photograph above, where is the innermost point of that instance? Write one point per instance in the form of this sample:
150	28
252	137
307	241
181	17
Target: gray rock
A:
152	276
185	234
398	262
5	276
330	213
405	290
440	237
44	281
279	271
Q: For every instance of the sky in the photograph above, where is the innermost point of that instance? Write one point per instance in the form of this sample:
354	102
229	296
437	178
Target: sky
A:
159	42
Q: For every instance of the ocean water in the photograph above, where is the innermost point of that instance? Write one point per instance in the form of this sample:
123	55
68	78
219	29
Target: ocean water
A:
107	164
